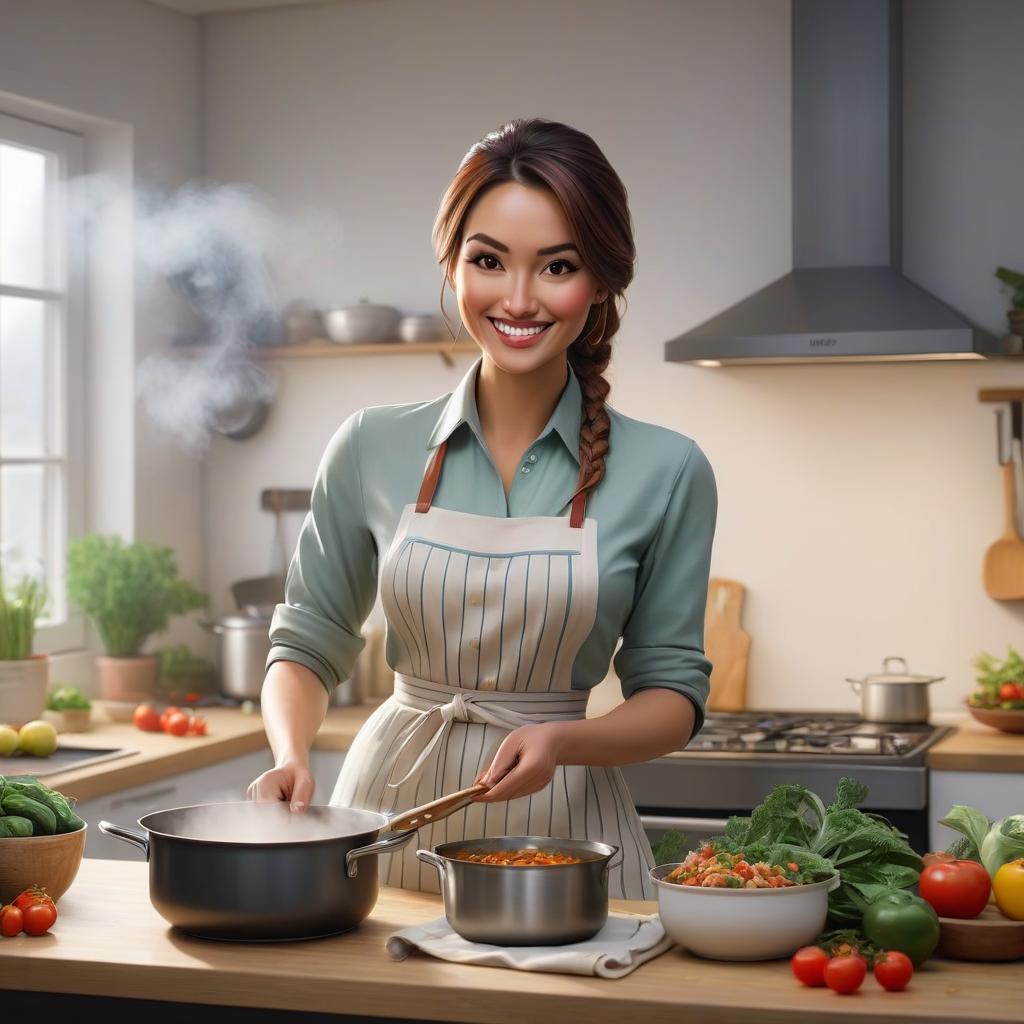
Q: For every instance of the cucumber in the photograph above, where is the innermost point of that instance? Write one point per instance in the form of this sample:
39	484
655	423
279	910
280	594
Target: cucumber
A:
44	821
67	820
14	827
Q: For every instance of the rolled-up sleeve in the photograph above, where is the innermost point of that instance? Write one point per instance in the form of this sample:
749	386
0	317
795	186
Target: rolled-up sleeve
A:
663	639
332	577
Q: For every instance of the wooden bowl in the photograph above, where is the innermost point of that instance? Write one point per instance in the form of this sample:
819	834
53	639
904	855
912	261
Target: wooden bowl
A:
1003	719
50	861
989	936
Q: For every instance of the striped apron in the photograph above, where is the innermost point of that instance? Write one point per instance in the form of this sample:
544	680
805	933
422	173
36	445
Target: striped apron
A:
491	613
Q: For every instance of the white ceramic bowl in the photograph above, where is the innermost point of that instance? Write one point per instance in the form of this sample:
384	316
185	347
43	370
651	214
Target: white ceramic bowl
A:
742	924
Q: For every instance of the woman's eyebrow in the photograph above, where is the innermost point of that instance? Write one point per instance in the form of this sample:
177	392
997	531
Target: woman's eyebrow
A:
547	251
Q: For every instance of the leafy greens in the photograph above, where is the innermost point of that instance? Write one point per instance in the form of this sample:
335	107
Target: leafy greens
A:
991	843
792	823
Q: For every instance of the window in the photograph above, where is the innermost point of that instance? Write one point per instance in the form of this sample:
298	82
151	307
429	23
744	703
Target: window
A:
41	368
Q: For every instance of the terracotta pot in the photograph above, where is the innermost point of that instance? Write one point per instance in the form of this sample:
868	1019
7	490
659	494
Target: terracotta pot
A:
23	686
69	720
132	679
1016	318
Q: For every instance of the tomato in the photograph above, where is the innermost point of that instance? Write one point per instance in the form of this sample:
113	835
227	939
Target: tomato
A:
11	920
808	965
844	974
177	724
957	889
1008	886
167	712
38	918
1011	691
900	920
147	718
33	894
893	970
197	726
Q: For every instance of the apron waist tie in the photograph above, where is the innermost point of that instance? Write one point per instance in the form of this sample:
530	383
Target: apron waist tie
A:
439	706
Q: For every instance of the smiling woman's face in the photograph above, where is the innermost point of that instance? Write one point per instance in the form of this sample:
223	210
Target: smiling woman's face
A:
519	269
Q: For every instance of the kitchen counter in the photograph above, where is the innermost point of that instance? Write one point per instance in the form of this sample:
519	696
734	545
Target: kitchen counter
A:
109	941
974	747
156	755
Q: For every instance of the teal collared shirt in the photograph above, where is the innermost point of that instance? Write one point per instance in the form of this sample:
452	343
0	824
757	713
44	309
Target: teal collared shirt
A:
655	510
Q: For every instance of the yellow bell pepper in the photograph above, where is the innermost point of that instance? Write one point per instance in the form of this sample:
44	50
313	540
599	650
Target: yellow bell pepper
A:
1008	889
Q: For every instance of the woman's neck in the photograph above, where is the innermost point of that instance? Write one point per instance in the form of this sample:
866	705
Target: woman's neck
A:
514	407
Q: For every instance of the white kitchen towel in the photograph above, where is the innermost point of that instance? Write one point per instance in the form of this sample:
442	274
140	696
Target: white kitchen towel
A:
622	945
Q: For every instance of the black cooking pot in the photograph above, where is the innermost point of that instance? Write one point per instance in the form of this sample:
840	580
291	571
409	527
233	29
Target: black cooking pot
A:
273	881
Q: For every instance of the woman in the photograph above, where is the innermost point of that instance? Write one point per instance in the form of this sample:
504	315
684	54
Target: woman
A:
547	526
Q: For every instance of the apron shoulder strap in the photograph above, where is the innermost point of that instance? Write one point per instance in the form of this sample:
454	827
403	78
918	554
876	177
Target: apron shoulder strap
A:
433	475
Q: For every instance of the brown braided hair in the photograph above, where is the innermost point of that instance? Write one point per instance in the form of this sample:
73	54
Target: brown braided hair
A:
567	162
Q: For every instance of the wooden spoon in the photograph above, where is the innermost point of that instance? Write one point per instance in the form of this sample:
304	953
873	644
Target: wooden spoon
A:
1003	572
436	809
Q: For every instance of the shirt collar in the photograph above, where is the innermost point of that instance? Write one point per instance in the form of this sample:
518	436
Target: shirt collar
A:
461	408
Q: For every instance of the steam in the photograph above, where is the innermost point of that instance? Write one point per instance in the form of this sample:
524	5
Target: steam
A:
203	251
265	822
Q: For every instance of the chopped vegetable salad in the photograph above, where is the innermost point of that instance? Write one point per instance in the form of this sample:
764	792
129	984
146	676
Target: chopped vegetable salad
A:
719	870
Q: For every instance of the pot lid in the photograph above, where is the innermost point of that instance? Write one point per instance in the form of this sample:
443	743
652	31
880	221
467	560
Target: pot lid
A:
891	673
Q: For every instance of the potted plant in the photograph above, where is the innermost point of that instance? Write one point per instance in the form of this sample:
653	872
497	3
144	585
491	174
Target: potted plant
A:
130	592
1014	281
68	709
23	675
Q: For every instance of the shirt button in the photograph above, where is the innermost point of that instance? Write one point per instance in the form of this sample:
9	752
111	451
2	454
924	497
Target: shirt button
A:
487	684
474	643
526	469
533	456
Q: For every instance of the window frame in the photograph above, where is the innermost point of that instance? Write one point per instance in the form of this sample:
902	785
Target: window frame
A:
61	630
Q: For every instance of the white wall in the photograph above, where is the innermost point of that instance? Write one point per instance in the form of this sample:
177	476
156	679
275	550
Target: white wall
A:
126	74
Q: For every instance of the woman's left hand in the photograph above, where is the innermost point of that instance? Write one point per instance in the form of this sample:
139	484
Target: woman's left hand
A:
525	763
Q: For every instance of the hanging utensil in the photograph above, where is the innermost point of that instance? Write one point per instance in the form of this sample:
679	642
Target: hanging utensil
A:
726	645
1003	570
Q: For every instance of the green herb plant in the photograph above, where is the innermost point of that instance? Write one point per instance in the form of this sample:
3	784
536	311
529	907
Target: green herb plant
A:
67	698
19	609
1014	280
130	591
793	824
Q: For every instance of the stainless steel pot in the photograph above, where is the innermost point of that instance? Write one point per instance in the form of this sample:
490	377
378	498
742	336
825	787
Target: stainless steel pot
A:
524	906
362	323
250	871
894	694
243	643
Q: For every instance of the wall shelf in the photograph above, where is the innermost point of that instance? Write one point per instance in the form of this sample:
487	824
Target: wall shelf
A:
330	350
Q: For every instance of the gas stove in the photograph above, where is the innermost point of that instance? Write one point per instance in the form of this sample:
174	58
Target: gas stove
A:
826	735
737	758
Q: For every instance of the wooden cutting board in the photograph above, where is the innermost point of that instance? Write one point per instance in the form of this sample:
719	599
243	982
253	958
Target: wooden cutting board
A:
726	645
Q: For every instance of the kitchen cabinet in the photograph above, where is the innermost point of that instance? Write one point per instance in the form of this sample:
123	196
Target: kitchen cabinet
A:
226	780
993	793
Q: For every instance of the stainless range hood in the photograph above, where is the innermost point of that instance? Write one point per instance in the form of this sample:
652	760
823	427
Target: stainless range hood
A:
846	299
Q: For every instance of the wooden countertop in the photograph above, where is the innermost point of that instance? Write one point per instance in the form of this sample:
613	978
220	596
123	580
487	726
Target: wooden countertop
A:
974	747
110	941
156	755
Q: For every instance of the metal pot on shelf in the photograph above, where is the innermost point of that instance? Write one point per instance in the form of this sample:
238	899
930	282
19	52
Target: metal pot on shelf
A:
894	694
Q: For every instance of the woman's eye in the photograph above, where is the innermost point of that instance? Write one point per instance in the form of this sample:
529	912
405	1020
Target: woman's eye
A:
485	256
488	261
569	268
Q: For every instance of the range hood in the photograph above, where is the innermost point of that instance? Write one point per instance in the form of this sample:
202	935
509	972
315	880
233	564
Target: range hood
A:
846	299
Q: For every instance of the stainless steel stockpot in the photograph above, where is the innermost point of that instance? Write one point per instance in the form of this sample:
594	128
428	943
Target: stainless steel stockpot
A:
524	906
261	890
894	694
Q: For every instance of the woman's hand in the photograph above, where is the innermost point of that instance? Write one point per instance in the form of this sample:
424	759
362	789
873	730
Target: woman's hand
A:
525	763
291	781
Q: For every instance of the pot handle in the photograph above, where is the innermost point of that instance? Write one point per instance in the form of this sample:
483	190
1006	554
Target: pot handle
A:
391	843
855	683
429	857
129	835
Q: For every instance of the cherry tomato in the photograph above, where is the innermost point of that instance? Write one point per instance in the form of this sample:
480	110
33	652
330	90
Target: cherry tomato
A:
147	718
1011	691
177	724
38	918
197	726
11	920
165	716
893	970
33	894
808	965
844	974
957	889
